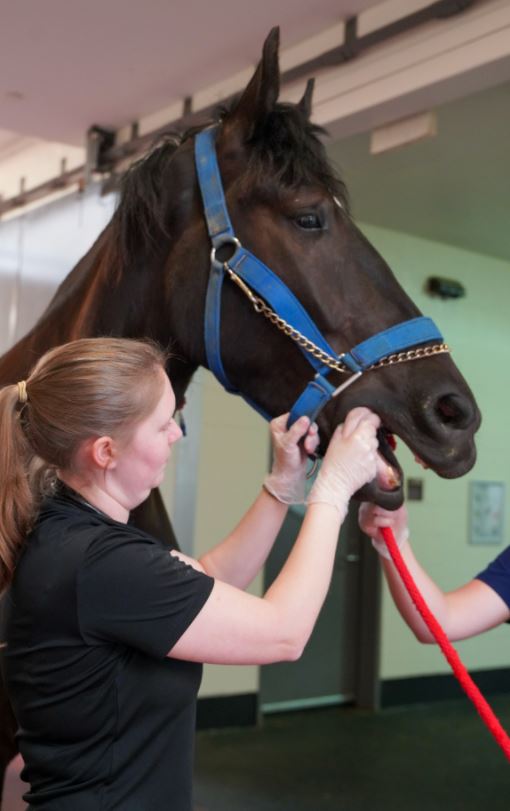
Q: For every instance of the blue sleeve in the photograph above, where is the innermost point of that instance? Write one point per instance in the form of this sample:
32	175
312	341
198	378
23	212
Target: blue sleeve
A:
497	575
132	591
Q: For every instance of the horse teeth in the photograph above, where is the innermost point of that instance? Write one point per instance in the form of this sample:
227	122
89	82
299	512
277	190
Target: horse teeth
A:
421	462
387	477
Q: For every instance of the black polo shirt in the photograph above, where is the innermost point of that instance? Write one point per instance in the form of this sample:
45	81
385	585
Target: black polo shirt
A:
106	721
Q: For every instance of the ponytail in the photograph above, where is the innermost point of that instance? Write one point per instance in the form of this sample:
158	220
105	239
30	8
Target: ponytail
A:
18	504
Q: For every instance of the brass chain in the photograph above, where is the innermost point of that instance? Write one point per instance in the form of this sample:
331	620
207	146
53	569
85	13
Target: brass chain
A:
305	343
411	354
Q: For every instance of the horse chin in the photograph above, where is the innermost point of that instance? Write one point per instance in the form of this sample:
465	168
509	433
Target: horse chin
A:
388	499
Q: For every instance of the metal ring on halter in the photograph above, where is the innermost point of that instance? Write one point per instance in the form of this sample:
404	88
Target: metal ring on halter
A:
226	240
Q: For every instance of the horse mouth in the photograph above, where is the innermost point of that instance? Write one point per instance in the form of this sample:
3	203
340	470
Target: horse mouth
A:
387	489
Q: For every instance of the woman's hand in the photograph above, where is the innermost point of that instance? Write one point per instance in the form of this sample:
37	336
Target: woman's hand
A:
372	518
286	482
350	461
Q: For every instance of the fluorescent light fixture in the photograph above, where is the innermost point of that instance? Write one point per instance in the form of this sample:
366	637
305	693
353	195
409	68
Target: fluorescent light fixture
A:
404	131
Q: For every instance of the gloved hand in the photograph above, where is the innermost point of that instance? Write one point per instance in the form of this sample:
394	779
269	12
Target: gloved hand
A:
350	461
372	518
286	482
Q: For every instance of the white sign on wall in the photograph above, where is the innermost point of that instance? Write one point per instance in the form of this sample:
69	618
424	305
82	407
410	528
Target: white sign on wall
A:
486	508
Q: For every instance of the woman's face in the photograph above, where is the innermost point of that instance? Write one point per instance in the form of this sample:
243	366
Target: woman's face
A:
141	460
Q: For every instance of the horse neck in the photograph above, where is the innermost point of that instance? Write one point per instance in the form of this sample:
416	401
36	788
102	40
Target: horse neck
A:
99	298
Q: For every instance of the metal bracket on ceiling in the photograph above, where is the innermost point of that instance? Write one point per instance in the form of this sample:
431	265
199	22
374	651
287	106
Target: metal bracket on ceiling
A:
99	141
448	8
350	47
112	181
60	181
20	198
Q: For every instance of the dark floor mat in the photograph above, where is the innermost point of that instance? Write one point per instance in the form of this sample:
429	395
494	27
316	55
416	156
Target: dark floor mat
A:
435	757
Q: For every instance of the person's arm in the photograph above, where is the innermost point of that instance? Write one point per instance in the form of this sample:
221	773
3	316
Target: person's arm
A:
237	628
466	611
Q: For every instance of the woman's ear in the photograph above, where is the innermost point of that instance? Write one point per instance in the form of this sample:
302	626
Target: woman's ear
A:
102	452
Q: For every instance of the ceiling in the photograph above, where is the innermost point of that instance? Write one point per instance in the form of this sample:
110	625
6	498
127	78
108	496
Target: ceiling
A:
453	188
64	66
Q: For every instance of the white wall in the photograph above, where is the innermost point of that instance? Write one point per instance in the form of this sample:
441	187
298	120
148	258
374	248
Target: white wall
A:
38	249
478	329
234	453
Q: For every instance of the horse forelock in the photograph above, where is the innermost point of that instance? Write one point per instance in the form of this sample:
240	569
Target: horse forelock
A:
286	147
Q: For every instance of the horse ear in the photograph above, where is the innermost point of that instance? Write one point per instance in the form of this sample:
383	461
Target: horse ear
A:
305	105
261	94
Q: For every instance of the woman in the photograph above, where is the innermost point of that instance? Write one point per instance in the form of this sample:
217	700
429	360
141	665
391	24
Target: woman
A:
106	628
473	608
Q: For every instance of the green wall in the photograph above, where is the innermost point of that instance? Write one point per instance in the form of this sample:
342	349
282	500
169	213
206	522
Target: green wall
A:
477	328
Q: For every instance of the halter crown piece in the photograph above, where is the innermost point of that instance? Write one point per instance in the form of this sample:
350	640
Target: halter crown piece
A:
22	391
273	299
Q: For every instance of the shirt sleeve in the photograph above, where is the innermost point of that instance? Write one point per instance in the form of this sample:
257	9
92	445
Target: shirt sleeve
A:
497	575
132	591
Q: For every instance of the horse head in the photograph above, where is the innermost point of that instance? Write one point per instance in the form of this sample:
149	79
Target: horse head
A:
289	209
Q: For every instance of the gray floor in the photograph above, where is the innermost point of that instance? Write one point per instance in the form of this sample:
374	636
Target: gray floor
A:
426	758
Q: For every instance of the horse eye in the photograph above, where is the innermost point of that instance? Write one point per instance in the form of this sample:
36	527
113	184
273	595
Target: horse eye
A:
309	222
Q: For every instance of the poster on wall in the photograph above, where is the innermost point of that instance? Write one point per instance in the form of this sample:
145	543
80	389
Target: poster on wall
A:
486	508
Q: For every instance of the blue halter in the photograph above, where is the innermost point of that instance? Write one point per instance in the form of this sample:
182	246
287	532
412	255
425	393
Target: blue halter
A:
252	275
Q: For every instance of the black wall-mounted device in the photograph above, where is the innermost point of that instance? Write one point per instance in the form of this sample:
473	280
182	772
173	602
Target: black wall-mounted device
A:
444	288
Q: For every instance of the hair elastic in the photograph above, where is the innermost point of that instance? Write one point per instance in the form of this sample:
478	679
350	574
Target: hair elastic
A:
22	391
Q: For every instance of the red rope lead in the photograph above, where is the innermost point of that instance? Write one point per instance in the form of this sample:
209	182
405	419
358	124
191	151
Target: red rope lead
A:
460	672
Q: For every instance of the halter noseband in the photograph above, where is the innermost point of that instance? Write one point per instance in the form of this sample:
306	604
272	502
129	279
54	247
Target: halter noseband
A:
272	298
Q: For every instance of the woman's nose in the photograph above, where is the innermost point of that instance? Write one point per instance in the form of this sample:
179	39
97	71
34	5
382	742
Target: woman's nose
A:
175	432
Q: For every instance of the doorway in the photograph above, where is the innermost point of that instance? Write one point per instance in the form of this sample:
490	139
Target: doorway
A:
340	662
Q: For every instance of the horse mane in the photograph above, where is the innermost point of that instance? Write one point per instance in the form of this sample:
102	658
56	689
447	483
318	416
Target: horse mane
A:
286	148
139	216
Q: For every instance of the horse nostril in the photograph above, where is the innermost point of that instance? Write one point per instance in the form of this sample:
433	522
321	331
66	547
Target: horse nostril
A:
454	411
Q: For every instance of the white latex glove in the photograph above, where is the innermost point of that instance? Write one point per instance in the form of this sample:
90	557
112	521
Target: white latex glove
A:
372	518
286	482
350	461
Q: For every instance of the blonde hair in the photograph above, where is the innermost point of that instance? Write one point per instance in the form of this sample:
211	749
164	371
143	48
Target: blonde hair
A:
86	388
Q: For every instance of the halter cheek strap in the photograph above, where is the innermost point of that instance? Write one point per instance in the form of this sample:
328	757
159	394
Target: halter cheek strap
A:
271	297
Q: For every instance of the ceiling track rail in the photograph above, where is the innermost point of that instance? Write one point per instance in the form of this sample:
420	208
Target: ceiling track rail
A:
103	156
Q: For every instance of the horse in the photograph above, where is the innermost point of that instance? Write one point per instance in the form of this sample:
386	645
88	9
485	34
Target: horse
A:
147	276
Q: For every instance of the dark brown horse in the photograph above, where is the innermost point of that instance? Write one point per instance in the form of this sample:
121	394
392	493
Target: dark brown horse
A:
146	275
